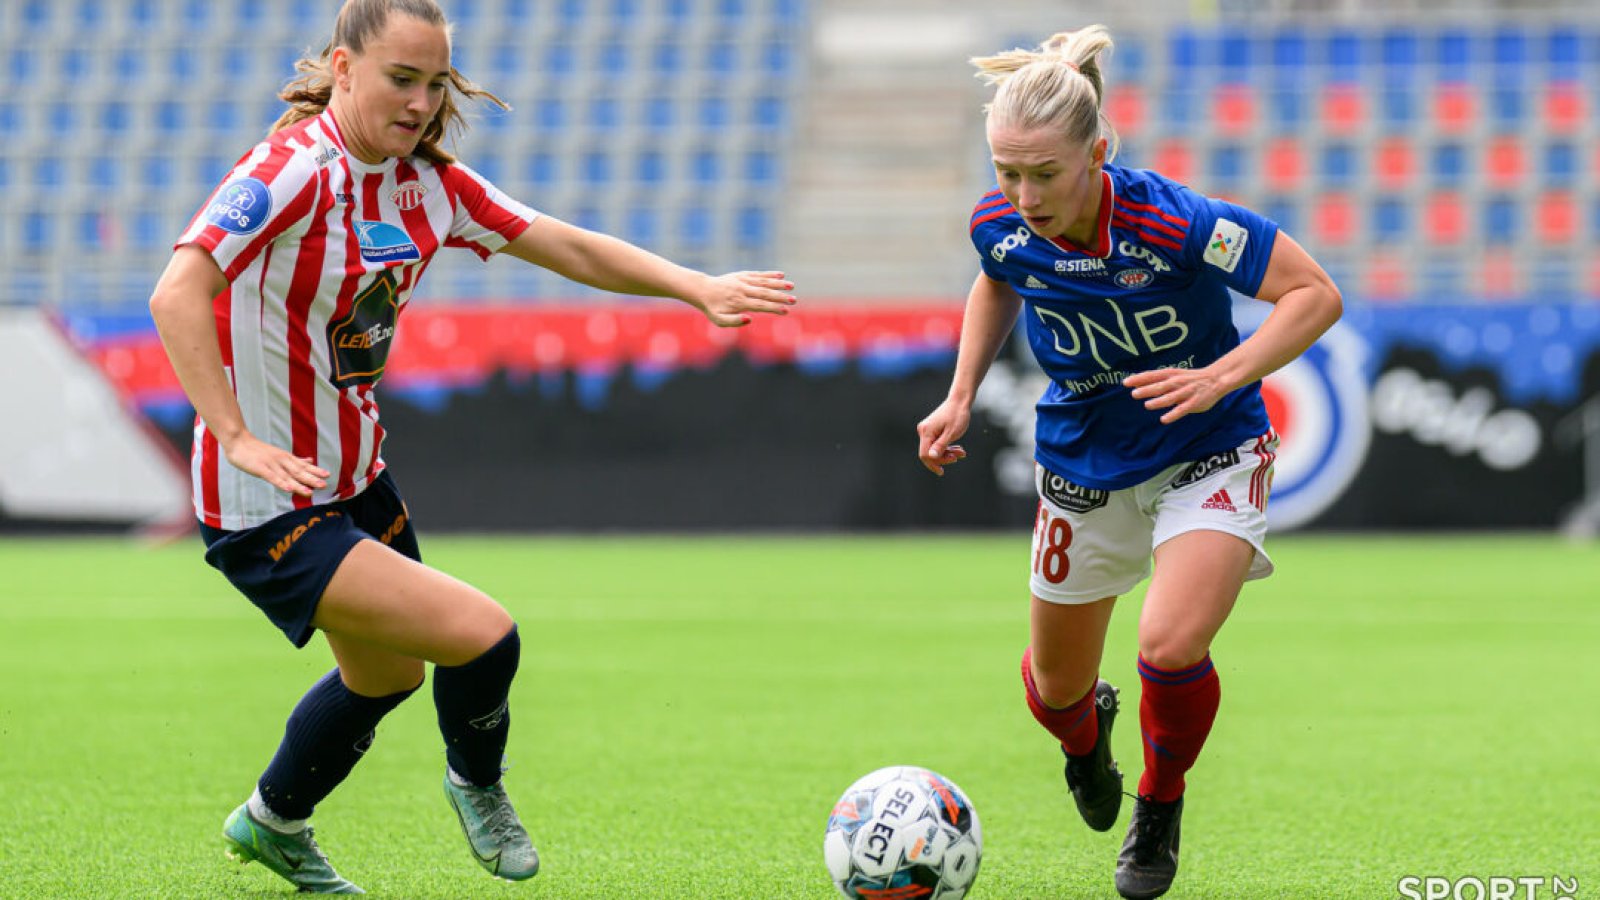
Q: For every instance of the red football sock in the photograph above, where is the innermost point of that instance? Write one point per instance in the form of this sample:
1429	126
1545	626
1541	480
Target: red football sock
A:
1075	726
1176	710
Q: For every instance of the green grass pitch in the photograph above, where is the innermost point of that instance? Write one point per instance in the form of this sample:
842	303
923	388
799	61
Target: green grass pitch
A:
688	709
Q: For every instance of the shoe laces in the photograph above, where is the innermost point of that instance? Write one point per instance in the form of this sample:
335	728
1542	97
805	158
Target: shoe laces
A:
496	813
1152	828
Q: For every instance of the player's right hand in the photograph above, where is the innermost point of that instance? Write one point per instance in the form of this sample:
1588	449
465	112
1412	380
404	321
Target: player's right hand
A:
936	436
276	466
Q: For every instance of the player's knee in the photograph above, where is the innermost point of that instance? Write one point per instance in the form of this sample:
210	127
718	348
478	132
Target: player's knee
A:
1172	650
1062	683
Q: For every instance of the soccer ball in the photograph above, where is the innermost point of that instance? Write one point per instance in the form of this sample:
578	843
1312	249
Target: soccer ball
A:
903	833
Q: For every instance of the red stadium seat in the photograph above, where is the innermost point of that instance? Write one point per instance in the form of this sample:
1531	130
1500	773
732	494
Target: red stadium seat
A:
1388	276
1506	162
1233	108
1396	163
1563	107
1344	108
1499	276
1174	159
1455	108
1445	218
1125	107
1557	217
1333	219
1285	164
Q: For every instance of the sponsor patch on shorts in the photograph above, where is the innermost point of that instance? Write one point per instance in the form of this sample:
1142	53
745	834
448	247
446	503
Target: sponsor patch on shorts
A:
1207	467
1072	497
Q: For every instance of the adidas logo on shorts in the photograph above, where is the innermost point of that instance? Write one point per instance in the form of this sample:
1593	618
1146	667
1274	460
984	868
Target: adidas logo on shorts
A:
1219	500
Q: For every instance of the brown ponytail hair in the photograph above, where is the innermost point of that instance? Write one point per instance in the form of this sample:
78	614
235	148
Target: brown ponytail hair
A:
360	21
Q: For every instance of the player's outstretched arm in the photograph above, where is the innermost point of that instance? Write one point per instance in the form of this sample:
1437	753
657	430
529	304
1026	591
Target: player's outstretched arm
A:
181	308
992	308
1306	303
610	264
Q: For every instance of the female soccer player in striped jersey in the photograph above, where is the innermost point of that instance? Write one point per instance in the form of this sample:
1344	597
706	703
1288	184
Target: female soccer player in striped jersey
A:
277	310
1152	439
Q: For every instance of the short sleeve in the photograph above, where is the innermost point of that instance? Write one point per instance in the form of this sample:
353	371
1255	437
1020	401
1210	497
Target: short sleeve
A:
485	219
1232	241
991	268
270	192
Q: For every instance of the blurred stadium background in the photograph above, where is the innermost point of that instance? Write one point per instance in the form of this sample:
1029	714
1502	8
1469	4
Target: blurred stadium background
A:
1439	158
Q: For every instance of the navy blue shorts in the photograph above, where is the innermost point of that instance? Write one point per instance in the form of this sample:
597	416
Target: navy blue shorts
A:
284	565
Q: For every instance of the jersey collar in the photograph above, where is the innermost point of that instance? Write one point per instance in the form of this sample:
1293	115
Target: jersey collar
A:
1101	248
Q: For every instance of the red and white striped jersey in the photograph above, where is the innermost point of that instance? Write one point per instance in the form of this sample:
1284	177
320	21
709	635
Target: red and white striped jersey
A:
322	252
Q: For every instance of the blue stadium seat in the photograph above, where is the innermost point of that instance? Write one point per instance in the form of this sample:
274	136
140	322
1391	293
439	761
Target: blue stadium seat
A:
1345	59
22	66
1291	53
1337	164
1287	108
666	58
1560	163
104	171
705	166
38	232
156	172
695	227
144	15
595	167
542	168
517	14
761	167
788	12
659	113
5	179
209	169
1228	162
1500	220
550	114
76	64
730	11
1507	106
37	14
1391	219
754	226
777	57
63	119
558	61
1564	53
13	121
712	114
571	13
90	231
615	58
1400	51
172	117
1509	50
91	15
129	65
1186	54
721	57
1235	55
769	112
604	114
1448	164
590	217
149	230
642	224
1132	60
197	15
1397	107
116	118
49	172
1454	55
650	166
1180	106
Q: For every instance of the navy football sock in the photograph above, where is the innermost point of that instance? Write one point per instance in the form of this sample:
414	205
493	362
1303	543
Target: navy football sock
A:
474	717
327	734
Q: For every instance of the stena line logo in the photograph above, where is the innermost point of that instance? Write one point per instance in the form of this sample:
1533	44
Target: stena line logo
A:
241	206
1019	238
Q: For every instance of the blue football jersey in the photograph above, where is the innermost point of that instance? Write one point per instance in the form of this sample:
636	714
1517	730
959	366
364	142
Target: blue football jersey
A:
1151	293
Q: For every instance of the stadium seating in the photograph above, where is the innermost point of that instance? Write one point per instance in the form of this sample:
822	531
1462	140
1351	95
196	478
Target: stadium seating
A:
671	123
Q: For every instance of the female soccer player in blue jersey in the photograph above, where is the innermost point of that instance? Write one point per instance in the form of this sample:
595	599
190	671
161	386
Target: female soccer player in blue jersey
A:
277	311
1152	439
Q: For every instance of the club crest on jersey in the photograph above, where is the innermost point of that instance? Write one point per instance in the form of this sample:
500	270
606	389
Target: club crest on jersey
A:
1072	497
408	195
241	206
384	243
1018	238
1133	279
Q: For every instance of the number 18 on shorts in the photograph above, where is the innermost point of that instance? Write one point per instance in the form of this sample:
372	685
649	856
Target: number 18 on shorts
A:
1090	543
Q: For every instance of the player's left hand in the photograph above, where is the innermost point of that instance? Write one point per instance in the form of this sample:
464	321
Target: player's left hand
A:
730	298
1179	391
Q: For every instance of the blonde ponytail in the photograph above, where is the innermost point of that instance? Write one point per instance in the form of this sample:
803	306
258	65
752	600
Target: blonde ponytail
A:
1056	86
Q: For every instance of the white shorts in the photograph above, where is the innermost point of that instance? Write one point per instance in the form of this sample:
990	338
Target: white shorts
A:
1090	543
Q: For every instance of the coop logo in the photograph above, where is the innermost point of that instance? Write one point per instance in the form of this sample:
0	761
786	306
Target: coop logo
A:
1071	497
408	195
1128	248
241	206
1494	887
1090	267
1133	279
1318	407
1019	238
1226	245
384	243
